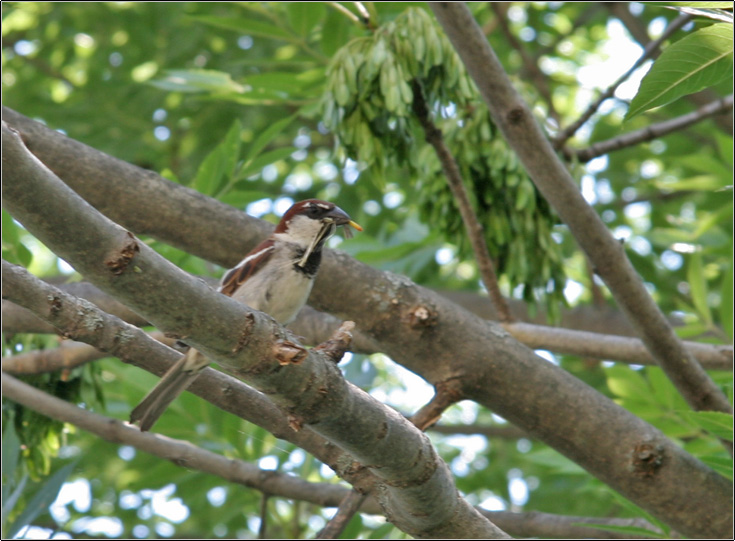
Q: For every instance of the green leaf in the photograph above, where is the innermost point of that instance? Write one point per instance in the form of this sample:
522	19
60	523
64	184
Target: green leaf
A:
266	158
13	249
726	301
220	163
245	26
694	63
304	16
632	531
698	286
722	465
211	81
338	34
267	136
716	422
627	383
42	499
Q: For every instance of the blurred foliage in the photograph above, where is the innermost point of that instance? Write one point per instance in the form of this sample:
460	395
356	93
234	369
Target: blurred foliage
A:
227	98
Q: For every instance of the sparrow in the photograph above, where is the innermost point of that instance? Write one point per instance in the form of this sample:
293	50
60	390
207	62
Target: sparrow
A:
276	277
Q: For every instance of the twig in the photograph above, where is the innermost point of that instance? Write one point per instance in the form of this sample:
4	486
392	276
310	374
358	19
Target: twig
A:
347	508
339	343
538	78
346	12
610	347
552	178
446	394
263	515
454	177
364	15
650	49
653	131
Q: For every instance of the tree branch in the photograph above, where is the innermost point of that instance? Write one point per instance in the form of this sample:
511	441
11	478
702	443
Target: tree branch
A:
274	483
537	77
498	372
638	30
650	50
139	349
311	389
181	453
651	132
519	128
451	170
65	357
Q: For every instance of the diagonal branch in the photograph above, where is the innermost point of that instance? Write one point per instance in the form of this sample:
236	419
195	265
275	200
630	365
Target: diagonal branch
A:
652	131
516	122
311	388
651	49
454	177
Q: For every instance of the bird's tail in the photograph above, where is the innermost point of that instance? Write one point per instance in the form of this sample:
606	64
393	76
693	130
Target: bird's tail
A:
172	384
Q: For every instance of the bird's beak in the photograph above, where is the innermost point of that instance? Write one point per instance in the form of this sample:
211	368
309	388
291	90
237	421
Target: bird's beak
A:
339	217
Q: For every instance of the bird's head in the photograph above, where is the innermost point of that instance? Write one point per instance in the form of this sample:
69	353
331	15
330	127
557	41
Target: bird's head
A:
312	222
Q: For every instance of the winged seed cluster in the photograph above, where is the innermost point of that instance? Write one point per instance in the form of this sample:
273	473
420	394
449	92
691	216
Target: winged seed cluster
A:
368	105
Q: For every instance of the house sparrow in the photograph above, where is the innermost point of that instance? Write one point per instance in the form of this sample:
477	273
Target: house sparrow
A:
275	277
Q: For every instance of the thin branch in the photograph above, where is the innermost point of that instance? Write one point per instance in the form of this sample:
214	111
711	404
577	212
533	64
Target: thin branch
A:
181	453
446	394
65	357
650	49
539	79
263	515
636	26
651	132
608	257
346	12
609	347
454	177
273	483
347	508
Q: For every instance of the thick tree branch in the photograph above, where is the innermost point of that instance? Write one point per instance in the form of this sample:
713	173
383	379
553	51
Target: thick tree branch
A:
316	327
651	132
138	348
498	372
451	170
515	120
312	390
